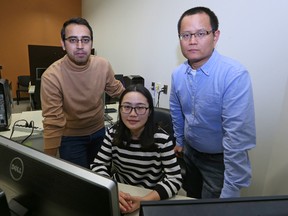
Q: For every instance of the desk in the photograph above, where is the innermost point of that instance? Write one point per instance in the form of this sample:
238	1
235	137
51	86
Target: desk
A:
138	191
36	139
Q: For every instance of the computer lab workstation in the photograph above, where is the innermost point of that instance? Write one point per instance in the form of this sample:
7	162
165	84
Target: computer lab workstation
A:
33	183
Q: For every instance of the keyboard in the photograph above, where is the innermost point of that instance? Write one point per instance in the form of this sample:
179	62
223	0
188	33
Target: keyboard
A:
110	110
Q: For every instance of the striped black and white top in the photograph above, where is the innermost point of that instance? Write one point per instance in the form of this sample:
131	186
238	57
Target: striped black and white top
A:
157	169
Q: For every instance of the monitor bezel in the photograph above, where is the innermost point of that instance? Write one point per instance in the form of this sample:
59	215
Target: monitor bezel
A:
254	205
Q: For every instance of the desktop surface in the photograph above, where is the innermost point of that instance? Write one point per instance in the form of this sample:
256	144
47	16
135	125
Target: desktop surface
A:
36	138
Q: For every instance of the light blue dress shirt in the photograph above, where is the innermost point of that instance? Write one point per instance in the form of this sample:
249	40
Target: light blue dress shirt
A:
213	112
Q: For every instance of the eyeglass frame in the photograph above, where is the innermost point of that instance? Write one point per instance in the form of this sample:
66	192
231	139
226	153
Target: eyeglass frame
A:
133	108
197	34
77	40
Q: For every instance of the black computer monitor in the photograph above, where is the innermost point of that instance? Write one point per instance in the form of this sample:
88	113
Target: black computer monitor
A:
111	100
248	206
5	105
40	185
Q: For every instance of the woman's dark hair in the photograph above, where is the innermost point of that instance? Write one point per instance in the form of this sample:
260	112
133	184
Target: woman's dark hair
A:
196	10
78	21
122	135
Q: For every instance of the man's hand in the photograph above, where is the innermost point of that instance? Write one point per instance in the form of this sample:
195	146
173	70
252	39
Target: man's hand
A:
51	152
178	151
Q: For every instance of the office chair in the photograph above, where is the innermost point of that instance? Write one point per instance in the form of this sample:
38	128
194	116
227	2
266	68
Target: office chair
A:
163	119
22	86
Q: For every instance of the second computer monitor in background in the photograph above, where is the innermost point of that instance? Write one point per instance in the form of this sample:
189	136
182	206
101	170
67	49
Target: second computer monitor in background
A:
110	100
133	79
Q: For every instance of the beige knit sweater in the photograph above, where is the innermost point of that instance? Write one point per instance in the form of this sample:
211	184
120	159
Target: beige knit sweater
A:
71	98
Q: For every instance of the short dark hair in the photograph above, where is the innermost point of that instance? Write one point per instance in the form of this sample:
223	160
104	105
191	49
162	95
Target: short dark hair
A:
123	133
196	10
78	21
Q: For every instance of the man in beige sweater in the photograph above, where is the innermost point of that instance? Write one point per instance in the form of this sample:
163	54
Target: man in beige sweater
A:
71	97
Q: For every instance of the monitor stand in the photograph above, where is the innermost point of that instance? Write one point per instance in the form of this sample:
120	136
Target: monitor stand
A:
4	208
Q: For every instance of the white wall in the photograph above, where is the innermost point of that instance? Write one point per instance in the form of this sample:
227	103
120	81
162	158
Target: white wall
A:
140	38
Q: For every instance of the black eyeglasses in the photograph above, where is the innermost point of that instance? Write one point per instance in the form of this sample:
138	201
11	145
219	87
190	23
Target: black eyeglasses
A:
199	34
139	110
75	40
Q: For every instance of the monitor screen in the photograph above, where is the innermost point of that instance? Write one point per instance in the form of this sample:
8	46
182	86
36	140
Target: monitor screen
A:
39	72
39	184
264	206
110	100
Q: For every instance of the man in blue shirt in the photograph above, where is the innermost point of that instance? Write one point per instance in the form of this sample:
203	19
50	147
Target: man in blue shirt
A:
212	108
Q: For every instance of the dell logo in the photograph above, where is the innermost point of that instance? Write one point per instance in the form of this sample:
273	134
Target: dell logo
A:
16	168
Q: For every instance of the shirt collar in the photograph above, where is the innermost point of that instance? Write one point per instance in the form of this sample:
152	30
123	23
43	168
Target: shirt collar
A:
207	67
74	67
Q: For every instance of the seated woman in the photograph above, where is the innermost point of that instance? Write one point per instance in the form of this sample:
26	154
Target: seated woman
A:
142	153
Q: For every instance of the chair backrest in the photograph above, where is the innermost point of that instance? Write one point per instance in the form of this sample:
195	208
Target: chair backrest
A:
162	118
23	80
